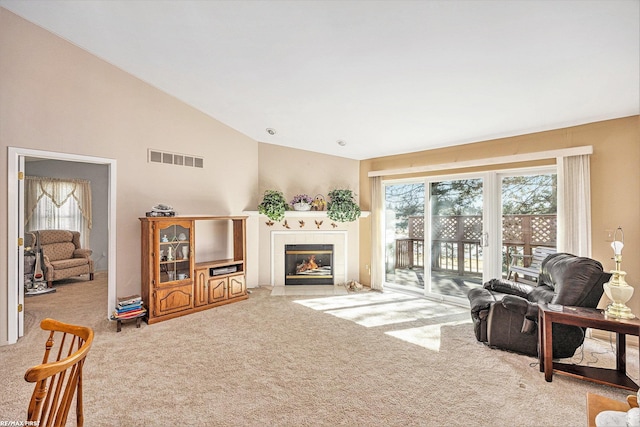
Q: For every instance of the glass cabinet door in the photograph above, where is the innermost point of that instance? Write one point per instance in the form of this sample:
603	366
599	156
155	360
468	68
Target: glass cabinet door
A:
174	252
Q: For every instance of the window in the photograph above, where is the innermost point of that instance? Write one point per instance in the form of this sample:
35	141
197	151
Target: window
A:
63	204
568	218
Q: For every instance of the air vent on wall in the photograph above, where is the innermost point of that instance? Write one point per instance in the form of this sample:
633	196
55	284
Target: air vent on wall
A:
157	156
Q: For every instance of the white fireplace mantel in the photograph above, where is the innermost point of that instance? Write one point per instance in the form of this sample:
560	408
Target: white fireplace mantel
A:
300	227
304	214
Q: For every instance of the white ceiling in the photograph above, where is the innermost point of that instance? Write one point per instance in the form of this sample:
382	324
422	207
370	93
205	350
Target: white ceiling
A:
386	77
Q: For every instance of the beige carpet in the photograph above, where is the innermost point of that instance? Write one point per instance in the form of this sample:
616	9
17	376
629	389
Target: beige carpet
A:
363	359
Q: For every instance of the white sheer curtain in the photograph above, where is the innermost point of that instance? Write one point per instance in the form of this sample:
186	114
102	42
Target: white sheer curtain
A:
574	205
63	204
377	247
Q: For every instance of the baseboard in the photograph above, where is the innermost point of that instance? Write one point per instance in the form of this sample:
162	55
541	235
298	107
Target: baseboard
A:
632	341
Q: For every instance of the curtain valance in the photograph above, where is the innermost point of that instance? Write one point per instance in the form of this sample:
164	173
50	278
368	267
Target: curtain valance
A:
59	191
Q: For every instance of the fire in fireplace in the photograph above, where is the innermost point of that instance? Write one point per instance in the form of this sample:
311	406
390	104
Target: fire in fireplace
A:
308	264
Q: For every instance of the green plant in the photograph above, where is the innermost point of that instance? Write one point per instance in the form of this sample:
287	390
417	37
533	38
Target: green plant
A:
273	205
342	206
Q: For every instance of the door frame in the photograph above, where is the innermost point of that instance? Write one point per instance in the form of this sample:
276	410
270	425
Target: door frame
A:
15	223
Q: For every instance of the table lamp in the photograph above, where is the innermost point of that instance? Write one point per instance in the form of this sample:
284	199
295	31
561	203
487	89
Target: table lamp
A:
617	290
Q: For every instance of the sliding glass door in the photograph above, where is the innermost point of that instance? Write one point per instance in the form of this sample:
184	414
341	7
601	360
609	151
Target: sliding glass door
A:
404	235
446	235
456	236
433	236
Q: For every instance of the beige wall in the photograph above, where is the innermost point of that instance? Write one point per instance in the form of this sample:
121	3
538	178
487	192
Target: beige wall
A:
56	97
294	171
615	181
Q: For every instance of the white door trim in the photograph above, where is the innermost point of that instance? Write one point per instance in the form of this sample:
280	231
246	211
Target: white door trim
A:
14	219
20	272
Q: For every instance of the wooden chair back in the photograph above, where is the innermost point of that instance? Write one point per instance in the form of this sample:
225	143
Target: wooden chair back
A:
59	380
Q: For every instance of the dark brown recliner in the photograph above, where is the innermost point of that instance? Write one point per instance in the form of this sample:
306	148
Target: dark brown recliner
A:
505	313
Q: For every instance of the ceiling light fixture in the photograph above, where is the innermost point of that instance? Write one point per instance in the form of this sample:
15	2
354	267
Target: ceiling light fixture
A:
341	143
271	131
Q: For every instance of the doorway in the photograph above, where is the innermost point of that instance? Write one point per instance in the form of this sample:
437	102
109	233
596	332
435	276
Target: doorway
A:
16	168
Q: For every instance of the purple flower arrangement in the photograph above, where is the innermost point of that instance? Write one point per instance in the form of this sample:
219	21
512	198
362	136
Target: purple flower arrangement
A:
301	198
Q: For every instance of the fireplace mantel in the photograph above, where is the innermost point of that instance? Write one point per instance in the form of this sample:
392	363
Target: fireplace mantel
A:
300	227
304	214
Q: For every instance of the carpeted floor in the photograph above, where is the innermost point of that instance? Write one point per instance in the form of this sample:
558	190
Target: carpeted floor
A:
362	359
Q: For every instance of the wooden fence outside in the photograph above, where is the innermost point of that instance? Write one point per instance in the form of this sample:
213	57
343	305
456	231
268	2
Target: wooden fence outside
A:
456	244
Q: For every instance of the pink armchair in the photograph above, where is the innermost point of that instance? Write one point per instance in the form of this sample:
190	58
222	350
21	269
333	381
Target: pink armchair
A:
63	256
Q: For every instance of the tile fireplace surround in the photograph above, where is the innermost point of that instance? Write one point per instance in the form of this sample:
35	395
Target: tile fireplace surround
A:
281	238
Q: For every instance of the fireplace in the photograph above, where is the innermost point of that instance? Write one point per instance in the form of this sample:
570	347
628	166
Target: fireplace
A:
308	264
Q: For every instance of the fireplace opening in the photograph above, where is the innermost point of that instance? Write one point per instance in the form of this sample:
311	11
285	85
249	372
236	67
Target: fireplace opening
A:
308	264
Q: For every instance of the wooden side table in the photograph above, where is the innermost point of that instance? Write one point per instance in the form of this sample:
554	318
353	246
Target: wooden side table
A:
587	318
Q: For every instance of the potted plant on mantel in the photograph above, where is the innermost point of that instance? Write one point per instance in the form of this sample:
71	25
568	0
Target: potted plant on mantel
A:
273	205
301	202
342	206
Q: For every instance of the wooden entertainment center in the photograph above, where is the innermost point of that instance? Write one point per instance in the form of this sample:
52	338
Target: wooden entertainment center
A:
173	284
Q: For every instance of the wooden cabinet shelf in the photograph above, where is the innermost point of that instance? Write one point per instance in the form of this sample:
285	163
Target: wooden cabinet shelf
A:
219	263
173	284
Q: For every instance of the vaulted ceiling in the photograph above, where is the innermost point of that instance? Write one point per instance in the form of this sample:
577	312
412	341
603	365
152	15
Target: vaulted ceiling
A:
380	77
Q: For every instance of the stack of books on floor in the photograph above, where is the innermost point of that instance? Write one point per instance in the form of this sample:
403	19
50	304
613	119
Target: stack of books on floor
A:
129	308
